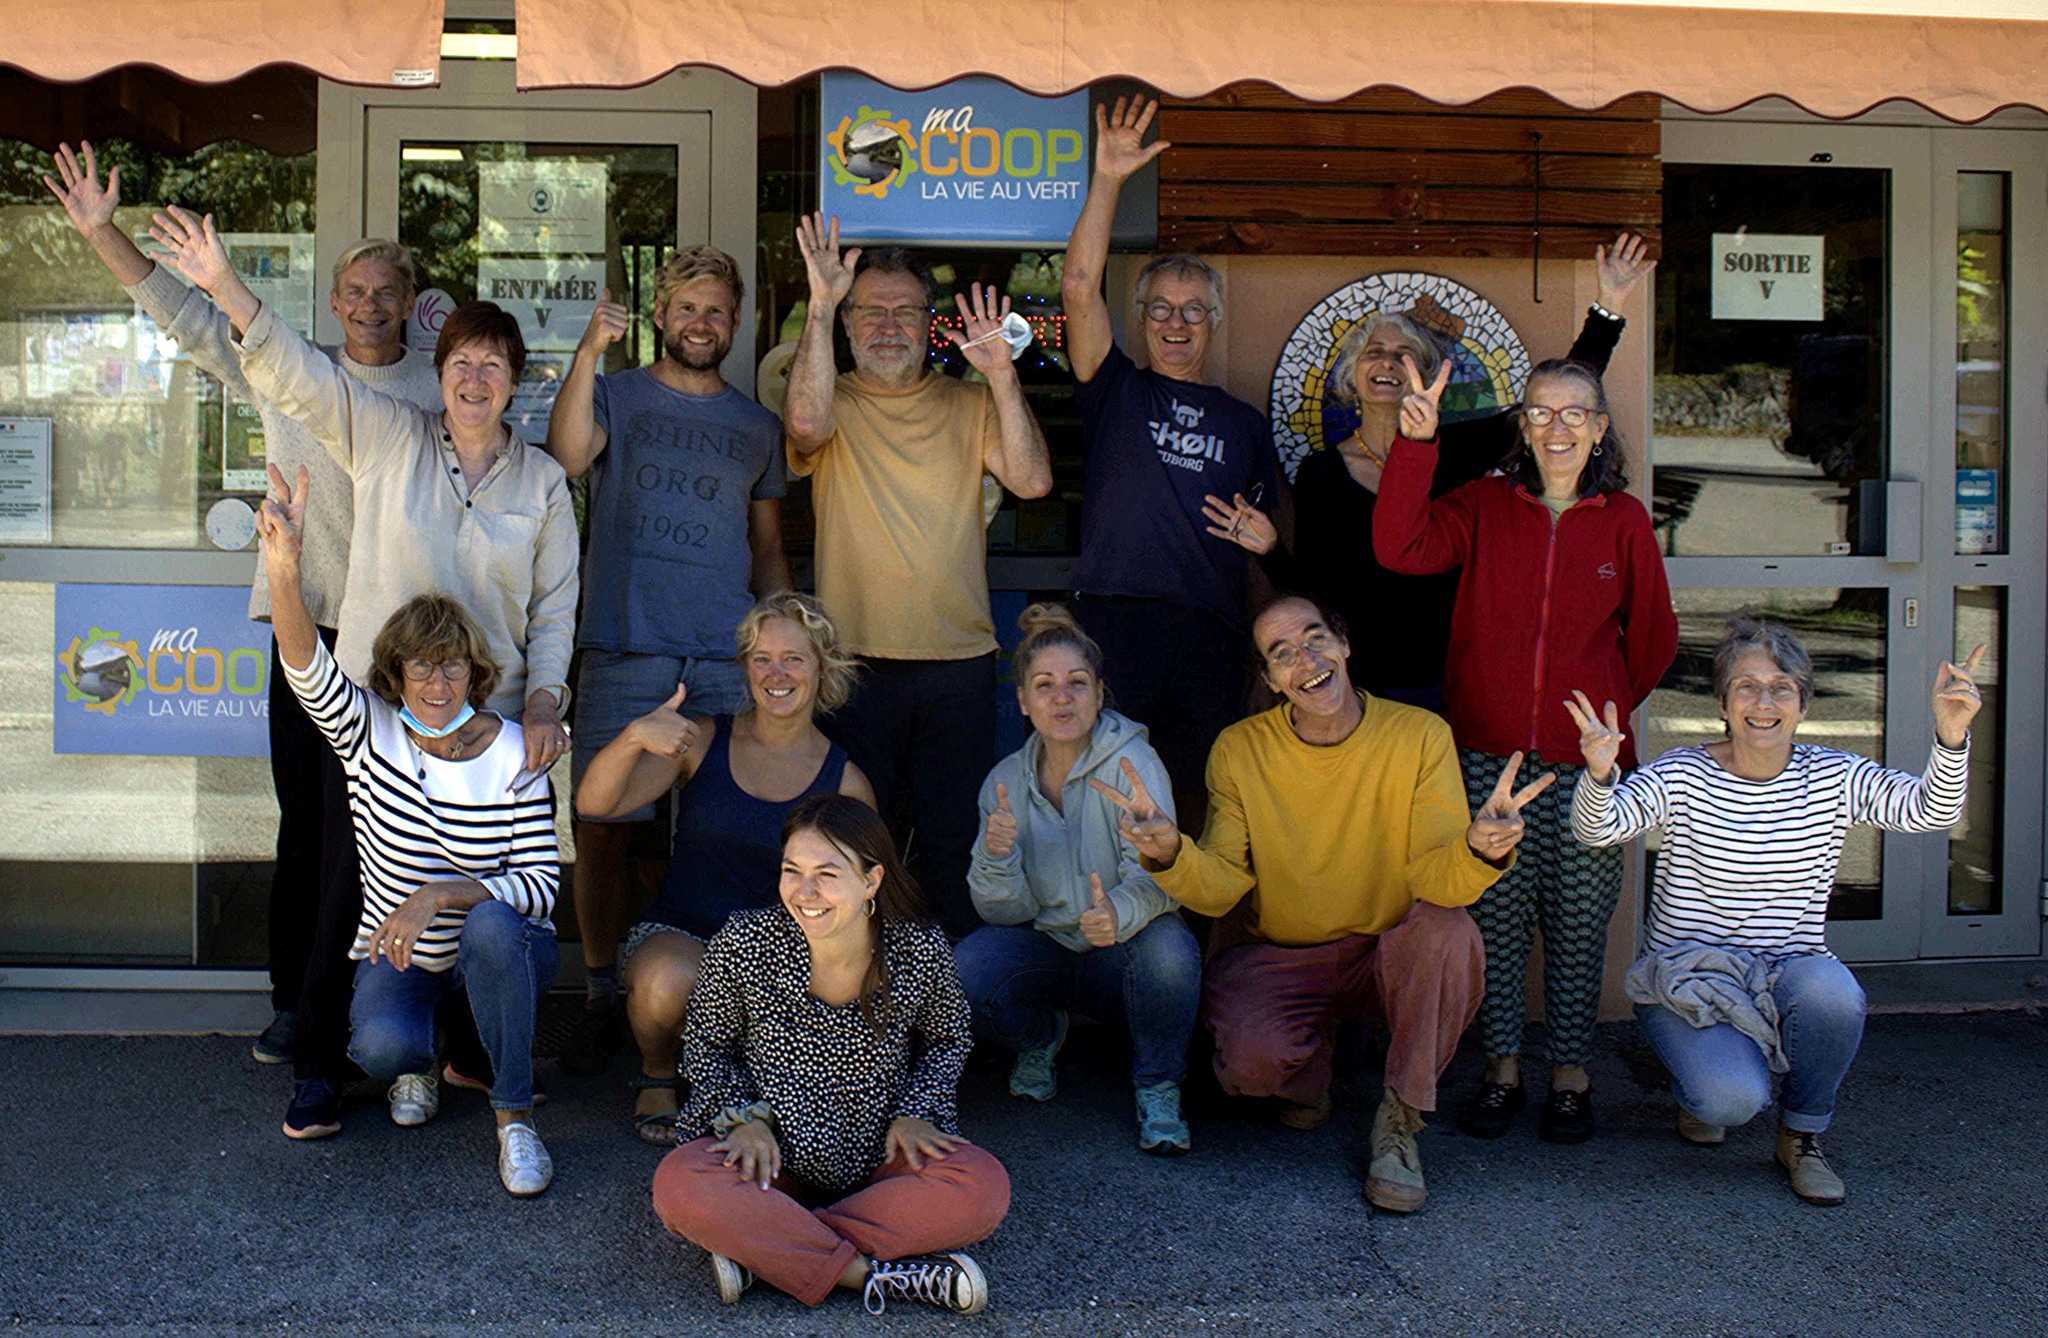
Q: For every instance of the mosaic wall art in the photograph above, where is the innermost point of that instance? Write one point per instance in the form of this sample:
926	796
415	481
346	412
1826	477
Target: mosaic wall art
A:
1488	362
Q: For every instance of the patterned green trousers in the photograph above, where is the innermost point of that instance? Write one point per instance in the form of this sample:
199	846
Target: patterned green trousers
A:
1568	889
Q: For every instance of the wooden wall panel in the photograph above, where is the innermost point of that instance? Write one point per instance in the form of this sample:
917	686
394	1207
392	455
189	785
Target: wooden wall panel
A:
1253	170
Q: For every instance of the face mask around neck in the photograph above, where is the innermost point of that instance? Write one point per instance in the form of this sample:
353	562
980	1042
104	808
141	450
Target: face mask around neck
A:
412	722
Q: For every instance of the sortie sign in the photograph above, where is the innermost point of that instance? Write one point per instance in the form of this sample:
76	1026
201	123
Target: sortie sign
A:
1764	276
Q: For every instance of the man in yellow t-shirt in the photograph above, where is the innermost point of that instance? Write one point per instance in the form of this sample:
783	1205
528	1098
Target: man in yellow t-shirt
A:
896	454
1343	817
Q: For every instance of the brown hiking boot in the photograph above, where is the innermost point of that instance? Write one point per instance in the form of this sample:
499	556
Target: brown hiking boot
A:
1698	1131
1394	1180
1312	1115
1812	1179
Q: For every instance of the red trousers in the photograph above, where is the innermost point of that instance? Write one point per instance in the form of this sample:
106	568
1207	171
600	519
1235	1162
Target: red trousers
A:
1274	1010
954	1201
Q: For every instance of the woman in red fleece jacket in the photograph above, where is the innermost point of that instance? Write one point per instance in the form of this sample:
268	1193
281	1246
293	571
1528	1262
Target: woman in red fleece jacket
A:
1561	582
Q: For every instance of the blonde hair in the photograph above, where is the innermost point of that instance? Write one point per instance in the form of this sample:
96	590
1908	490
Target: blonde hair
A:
431	627
837	670
379	248
1047	625
692	263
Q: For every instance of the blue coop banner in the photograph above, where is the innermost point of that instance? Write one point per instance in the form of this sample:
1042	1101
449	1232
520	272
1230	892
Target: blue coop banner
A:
161	670
972	162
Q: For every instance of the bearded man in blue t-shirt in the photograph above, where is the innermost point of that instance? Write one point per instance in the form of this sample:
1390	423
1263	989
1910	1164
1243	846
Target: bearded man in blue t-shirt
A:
1174	468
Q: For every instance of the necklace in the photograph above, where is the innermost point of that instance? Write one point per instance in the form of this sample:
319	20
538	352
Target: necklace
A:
1379	458
455	747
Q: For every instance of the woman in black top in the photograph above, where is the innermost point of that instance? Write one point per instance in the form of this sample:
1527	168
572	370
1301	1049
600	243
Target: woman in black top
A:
823	1045
1334	490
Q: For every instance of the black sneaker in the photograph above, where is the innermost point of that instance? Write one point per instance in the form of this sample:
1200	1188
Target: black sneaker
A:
315	1111
1491	1110
1567	1117
274	1046
592	1041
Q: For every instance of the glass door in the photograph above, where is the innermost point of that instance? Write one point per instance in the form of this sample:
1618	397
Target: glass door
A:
541	212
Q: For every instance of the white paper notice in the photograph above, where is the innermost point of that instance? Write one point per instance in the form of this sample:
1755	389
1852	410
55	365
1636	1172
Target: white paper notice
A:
24	480
536	206
1764	276
551	299
278	267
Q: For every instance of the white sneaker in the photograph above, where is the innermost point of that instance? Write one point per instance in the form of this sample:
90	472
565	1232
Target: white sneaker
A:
415	1099
732	1278
950	1281
523	1162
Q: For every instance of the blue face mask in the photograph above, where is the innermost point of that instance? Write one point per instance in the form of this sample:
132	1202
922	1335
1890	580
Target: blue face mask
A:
412	722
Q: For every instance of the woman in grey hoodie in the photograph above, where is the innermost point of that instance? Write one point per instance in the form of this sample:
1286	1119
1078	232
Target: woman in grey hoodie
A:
1074	921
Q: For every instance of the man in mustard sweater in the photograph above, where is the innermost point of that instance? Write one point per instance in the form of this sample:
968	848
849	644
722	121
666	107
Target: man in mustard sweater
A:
1344	818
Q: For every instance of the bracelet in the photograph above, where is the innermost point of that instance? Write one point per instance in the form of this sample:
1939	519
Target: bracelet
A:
1605	314
732	1117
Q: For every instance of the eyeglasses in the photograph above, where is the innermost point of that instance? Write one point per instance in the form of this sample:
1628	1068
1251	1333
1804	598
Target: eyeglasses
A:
1749	689
1318	643
1535	415
420	670
1194	313
908	317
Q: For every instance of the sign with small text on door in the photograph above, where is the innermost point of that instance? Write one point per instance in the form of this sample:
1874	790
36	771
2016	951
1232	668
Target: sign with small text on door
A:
1764	276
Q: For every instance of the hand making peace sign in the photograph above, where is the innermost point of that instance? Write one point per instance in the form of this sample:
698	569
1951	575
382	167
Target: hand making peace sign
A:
1956	699
1418	406
1600	737
281	520
1497	828
1145	825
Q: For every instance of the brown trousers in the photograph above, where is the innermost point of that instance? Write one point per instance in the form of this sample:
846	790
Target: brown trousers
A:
954	1201
1274	1010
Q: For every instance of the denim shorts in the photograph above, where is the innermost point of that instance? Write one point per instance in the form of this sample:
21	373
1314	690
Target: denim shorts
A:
614	689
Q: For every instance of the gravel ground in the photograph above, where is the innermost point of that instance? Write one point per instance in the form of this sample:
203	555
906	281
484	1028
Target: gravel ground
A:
144	1187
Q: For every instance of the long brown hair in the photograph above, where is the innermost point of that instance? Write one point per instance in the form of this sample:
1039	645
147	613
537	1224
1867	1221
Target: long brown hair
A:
859	831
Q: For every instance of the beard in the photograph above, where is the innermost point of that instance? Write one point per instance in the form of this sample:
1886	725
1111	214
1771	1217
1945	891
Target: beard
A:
696	359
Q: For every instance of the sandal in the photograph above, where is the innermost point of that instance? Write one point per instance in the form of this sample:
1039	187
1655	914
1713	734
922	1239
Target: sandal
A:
656	1127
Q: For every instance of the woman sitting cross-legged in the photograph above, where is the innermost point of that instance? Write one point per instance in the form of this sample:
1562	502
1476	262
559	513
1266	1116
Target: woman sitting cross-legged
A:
823	1046
1737	982
1074	921
736	781
456	836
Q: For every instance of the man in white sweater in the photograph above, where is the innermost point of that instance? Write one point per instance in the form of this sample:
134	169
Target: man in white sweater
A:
374	286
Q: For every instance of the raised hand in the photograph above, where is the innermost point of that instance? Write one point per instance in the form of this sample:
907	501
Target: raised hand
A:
281	520
1621	268
1240	522
1001	836
1120	148
607	323
89	205
665	731
1497	828
1098	922
831	274
1144	824
1418	406
194	248
1956	699
980	339
1600	737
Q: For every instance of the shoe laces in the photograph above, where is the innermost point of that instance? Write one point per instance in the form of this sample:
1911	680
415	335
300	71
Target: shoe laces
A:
909	1279
1806	1146
1161	1101
1396	1134
416	1088
523	1147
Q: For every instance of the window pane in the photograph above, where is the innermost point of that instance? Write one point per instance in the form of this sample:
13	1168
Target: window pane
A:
1769	432
1981	269
1976	844
136	431
1843	631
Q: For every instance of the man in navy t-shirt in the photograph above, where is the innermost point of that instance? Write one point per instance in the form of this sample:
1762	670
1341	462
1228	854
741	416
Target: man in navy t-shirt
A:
685	526
1172	464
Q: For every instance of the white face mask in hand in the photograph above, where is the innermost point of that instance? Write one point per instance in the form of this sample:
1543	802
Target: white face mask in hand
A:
1014	331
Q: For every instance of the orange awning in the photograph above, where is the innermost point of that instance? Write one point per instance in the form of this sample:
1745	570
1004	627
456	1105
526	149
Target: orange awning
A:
209	41
1450	51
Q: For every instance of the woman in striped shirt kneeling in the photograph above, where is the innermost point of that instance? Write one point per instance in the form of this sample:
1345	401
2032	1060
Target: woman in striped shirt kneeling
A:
456	838
1736	982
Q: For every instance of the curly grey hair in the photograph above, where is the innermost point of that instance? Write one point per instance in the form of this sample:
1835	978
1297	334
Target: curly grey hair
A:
1429	355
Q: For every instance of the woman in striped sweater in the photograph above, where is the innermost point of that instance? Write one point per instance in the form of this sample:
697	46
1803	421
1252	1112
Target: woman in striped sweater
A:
1737	981
456	838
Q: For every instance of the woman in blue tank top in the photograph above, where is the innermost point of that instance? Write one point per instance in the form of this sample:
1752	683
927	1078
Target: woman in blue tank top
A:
736	779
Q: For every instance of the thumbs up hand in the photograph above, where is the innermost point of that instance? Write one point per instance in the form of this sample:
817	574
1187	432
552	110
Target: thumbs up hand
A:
607	323
1001	837
664	731
1098	922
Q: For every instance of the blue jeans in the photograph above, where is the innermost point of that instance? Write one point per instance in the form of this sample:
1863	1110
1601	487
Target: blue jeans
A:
615	688
504	964
1722	1077
1016	978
